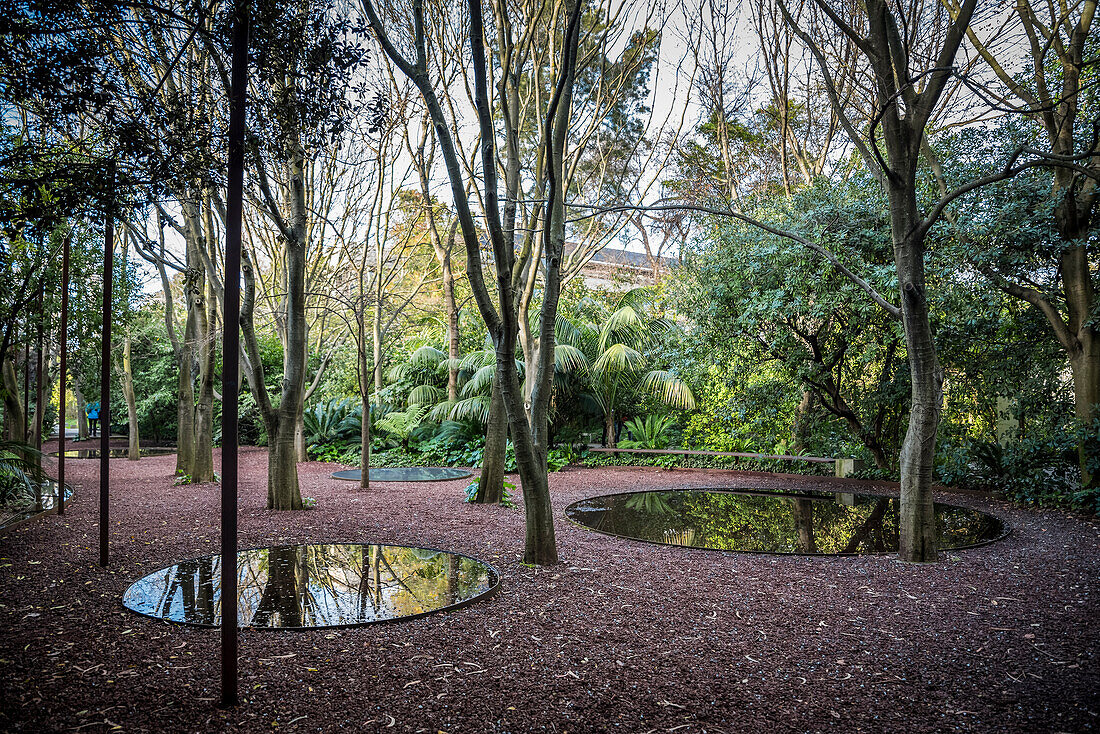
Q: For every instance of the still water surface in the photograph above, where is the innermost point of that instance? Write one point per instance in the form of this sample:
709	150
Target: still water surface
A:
815	523
329	585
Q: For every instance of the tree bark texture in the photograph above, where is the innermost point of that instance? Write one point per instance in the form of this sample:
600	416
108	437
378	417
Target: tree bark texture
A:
16	418
127	379
490	486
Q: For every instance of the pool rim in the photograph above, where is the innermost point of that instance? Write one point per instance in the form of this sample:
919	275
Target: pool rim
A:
491	592
1007	528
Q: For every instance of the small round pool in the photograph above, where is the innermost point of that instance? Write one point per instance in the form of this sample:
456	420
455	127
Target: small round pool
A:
323	585
806	523
404	474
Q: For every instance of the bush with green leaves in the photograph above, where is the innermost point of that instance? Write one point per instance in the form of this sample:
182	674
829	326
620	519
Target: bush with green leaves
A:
18	462
1036	469
506	498
648	432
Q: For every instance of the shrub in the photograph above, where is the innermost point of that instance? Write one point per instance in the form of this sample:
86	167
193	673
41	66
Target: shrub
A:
1035	470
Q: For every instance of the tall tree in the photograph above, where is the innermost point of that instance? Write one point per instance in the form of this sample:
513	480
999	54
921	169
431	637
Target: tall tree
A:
303	88
1056	91
528	428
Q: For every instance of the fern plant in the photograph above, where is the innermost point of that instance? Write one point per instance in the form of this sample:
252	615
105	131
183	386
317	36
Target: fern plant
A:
18	462
648	432
332	421
401	425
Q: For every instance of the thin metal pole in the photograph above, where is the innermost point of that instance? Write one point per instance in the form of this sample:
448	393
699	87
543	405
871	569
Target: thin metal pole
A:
39	398
27	383
231	310
105	391
64	345
39	384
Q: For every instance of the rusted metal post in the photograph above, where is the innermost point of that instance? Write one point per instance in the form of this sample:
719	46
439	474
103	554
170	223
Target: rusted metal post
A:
63	343
231	310
39	399
105	390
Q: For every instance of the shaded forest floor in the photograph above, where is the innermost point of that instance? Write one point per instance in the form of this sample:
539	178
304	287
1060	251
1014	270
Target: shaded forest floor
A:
621	636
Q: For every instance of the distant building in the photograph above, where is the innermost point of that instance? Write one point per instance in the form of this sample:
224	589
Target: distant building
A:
619	269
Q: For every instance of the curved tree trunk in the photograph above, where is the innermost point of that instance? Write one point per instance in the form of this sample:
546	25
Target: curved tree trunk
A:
16	418
1085	366
185	406
202	461
490	487
917	522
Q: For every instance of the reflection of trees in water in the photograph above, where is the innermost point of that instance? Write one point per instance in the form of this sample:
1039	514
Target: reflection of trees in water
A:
285	595
816	522
186	592
794	524
345	584
316	585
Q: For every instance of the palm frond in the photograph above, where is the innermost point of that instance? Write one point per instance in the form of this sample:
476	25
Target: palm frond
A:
625	325
639	299
475	408
568	358
669	388
480	382
618	358
439	412
398	372
476	360
427	356
567	332
425	395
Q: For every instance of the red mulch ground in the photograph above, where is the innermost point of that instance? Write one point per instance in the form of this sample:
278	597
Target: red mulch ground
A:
622	636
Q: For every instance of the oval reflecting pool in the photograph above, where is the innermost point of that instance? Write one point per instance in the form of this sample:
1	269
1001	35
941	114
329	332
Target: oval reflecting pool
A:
405	474
112	453
304	586
808	523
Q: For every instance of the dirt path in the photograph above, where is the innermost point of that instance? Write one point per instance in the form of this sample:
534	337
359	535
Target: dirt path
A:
622	636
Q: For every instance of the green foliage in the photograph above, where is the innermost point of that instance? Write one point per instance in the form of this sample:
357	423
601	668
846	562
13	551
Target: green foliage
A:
331	421
680	461
1039	470
650	432
18	461
506	498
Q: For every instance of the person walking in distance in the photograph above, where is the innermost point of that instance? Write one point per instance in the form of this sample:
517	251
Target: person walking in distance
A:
92	410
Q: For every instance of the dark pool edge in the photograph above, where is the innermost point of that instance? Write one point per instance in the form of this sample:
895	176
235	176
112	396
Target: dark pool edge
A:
71	494
491	592
1008	529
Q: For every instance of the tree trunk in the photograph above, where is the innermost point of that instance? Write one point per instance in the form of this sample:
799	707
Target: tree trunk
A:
490	487
81	416
282	466
609	428
1085	366
185	405
364	445
16	418
803	514
300	448
364	395
917	522
800	426
202	461
376	341
127	378
283	492
454	343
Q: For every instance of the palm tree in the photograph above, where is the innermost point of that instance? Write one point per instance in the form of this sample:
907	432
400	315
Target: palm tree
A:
618	347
